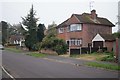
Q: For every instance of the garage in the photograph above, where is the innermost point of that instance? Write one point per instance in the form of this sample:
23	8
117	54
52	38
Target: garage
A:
98	44
98	41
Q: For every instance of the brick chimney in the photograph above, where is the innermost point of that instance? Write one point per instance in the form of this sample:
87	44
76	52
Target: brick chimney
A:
93	14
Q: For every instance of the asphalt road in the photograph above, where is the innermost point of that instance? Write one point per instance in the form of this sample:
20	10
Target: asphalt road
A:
24	66
0	64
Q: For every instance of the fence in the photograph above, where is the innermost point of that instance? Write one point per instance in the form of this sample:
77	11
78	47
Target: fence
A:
86	50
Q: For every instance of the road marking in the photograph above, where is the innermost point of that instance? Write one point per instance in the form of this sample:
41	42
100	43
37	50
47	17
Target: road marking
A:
7	73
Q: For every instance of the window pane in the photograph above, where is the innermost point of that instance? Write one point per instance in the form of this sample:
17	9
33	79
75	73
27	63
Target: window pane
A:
75	27
75	41
61	30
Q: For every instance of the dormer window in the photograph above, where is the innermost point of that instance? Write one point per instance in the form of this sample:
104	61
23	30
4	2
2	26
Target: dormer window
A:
75	27
60	30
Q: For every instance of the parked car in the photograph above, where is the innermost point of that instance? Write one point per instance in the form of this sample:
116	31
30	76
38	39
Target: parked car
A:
1	47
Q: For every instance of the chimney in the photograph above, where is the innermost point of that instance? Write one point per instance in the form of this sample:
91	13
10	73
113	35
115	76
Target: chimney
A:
93	14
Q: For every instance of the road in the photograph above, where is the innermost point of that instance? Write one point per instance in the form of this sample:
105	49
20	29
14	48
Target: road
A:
0	64
24	66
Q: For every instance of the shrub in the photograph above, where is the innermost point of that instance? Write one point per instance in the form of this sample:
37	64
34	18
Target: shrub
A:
35	47
108	58
54	44
61	49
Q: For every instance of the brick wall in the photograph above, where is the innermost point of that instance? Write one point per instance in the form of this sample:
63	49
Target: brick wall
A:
109	46
87	34
90	30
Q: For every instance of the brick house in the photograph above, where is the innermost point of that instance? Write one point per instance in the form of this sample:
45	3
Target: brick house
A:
81	29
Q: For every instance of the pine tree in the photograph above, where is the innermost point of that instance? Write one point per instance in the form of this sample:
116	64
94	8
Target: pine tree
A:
31	22
4	32
40	32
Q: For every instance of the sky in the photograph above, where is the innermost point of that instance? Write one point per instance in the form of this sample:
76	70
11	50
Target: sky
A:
57	10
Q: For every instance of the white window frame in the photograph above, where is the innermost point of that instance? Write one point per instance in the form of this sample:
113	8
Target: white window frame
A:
76	42
61	30
75	27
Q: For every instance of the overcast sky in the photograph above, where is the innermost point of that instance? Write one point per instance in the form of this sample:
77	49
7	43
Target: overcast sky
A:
56	10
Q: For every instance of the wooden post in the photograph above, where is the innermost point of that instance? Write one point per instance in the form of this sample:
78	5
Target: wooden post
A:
117	49
89	46
69	50
69	46
80	50
90	49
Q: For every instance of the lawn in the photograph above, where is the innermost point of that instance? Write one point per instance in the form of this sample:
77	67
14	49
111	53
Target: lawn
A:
36	54
92	56
103	65
13	49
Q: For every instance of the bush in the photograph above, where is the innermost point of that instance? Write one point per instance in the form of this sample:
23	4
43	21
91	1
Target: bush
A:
108	58
35	47
54	44
61	49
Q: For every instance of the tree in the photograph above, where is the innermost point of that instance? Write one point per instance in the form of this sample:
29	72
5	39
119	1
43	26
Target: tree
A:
40	32
116	35
4	32
18	29
52	25
31	22
50	41
52	29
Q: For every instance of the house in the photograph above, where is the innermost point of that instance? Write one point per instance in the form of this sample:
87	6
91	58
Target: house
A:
17	40
80	30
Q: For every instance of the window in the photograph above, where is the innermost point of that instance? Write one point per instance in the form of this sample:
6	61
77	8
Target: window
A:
61	30
68	28
74	41
75	27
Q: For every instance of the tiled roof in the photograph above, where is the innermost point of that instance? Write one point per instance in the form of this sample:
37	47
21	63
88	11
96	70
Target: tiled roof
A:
63	23
108	37
86	18
16	37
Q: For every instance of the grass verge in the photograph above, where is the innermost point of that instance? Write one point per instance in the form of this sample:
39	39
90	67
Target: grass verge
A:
35	54
14	50
92	56
102	65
